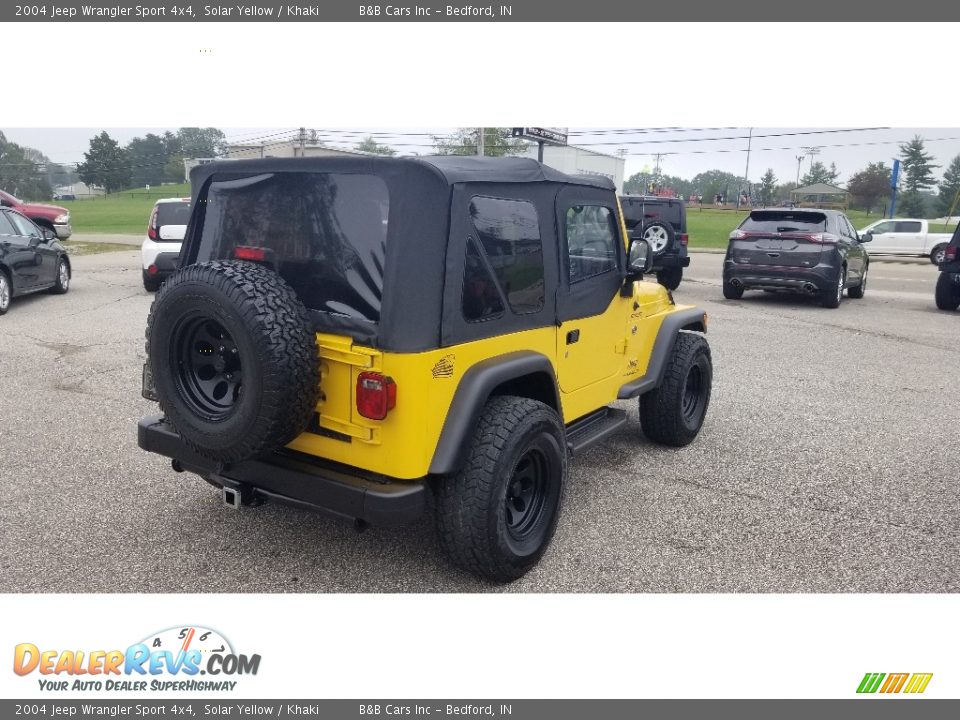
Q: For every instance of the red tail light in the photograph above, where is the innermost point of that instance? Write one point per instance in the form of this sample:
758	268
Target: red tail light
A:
824	238
152	224
376	395
684	238
246	252
950	254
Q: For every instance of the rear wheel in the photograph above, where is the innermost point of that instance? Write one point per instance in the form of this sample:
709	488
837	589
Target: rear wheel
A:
947	293
833	295
731	291
673	413
938	254
495	518
670	278
857	292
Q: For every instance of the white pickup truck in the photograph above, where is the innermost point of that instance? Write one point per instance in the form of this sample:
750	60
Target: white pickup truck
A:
906	237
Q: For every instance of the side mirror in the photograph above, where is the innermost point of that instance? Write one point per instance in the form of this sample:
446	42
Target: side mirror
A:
48	235
639	259
35	241
867	236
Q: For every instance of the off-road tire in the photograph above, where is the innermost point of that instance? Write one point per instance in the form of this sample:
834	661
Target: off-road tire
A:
62	284
151	283
276	358
858	292
947	293
471	507
670	278
665	416
730	292
832	296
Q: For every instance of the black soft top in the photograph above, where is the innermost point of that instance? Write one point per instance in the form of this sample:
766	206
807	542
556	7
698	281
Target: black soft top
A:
450	169
424	193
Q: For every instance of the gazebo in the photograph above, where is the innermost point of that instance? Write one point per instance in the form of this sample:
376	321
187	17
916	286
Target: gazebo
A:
820	195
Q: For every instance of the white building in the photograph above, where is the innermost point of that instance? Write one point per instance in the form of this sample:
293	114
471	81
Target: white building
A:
580	161
285	149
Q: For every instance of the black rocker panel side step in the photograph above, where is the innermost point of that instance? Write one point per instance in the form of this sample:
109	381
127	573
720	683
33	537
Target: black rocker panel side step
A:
593	428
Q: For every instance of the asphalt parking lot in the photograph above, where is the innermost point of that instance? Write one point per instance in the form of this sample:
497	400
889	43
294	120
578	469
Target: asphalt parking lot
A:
829	462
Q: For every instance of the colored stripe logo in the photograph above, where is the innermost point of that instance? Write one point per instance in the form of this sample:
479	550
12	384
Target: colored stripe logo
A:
913	683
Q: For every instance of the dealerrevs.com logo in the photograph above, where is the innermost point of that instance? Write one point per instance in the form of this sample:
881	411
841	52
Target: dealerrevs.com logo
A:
173	660
893	683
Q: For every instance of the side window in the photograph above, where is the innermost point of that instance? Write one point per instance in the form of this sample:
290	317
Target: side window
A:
509	234
846	228
882	228
24	226
592	238
481	298
908	226
6	228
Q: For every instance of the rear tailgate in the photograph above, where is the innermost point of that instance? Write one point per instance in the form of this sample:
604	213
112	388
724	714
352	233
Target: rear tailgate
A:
783	238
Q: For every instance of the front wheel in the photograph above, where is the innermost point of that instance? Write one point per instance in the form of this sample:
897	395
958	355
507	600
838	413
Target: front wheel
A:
947	293
673	413
6	292
62	283
495	518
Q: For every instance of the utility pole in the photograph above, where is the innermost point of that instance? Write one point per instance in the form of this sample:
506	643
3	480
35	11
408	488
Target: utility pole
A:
746	173
480	138
303	140
799	160
811	153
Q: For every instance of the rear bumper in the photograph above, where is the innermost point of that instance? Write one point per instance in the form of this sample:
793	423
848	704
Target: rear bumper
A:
165	264
296	480
778	277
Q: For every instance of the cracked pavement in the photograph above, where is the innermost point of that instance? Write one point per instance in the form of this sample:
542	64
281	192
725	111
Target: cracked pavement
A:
828	463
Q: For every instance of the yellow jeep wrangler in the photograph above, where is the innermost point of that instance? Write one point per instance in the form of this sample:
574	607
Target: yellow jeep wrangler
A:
351	334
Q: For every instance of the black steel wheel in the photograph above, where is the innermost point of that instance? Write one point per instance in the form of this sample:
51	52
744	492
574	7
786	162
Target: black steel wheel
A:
496	517
208	366
673	413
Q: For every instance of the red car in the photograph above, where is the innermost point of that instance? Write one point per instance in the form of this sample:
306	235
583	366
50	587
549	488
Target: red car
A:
53	217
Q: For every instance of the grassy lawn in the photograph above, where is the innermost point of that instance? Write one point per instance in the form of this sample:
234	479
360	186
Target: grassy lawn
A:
122	212
94	248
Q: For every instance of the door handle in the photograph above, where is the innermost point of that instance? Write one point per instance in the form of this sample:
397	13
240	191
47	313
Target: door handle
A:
573	336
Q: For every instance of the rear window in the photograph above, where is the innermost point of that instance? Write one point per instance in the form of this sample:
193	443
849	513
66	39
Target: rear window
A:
173	213
637	210
326	232
784	221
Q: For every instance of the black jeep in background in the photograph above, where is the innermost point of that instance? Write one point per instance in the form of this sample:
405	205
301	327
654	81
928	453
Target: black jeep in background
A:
947	293
662	222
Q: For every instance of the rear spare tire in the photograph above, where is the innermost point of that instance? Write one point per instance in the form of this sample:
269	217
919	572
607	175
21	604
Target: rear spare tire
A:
234	359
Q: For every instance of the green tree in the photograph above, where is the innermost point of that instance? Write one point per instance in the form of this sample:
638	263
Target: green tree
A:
768	187
201	142
911	203
711	182
916	168
22	173
869	186
148	160
497	142
368	144
950	188
106	164
820	173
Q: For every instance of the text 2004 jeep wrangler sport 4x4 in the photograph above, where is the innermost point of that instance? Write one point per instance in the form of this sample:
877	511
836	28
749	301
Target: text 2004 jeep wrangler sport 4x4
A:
350	334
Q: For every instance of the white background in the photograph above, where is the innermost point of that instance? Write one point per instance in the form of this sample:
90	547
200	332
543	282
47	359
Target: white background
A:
569	75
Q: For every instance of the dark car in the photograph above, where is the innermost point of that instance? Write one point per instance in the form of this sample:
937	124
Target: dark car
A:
947	293
31	259
811	251
662	222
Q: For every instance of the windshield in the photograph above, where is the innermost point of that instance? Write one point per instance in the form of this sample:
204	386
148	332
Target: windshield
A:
326	232
771	221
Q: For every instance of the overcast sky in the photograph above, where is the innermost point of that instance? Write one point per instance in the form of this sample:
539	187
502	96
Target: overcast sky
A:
685	151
